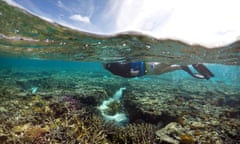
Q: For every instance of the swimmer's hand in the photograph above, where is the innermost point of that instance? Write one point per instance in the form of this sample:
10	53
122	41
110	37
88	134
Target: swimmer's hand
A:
134	72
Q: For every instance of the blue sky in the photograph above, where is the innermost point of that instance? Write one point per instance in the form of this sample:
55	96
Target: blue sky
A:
207	22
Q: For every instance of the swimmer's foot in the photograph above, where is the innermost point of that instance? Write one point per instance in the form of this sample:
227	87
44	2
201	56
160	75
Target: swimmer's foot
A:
203	70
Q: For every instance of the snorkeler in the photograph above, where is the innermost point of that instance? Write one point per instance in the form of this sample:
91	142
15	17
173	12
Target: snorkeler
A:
137	69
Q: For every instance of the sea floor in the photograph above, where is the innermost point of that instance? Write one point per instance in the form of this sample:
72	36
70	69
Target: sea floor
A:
62	107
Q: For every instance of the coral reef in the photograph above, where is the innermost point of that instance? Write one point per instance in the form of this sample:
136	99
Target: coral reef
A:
187	114
66	110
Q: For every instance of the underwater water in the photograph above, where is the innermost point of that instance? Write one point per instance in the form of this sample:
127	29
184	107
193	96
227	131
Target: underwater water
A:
54	88
50	97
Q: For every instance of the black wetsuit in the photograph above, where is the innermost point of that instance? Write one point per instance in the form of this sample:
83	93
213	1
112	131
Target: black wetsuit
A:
124	68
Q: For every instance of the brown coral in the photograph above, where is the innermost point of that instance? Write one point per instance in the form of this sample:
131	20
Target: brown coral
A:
136	133
186	139
34	132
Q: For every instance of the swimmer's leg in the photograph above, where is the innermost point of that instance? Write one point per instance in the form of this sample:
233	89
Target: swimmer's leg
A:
199	76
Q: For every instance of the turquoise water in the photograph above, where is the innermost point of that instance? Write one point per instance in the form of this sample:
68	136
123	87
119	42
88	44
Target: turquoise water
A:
149	103
24	64
226	74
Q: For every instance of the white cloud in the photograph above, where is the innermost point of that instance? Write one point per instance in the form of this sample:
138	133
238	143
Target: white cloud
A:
80	18
205	22
210	23
147	15
62	6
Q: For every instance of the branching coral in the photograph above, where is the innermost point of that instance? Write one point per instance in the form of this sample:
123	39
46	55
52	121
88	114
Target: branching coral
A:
61	120
51	119
134	133
34	133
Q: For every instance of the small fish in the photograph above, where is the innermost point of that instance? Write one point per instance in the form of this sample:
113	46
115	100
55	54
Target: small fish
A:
34	90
